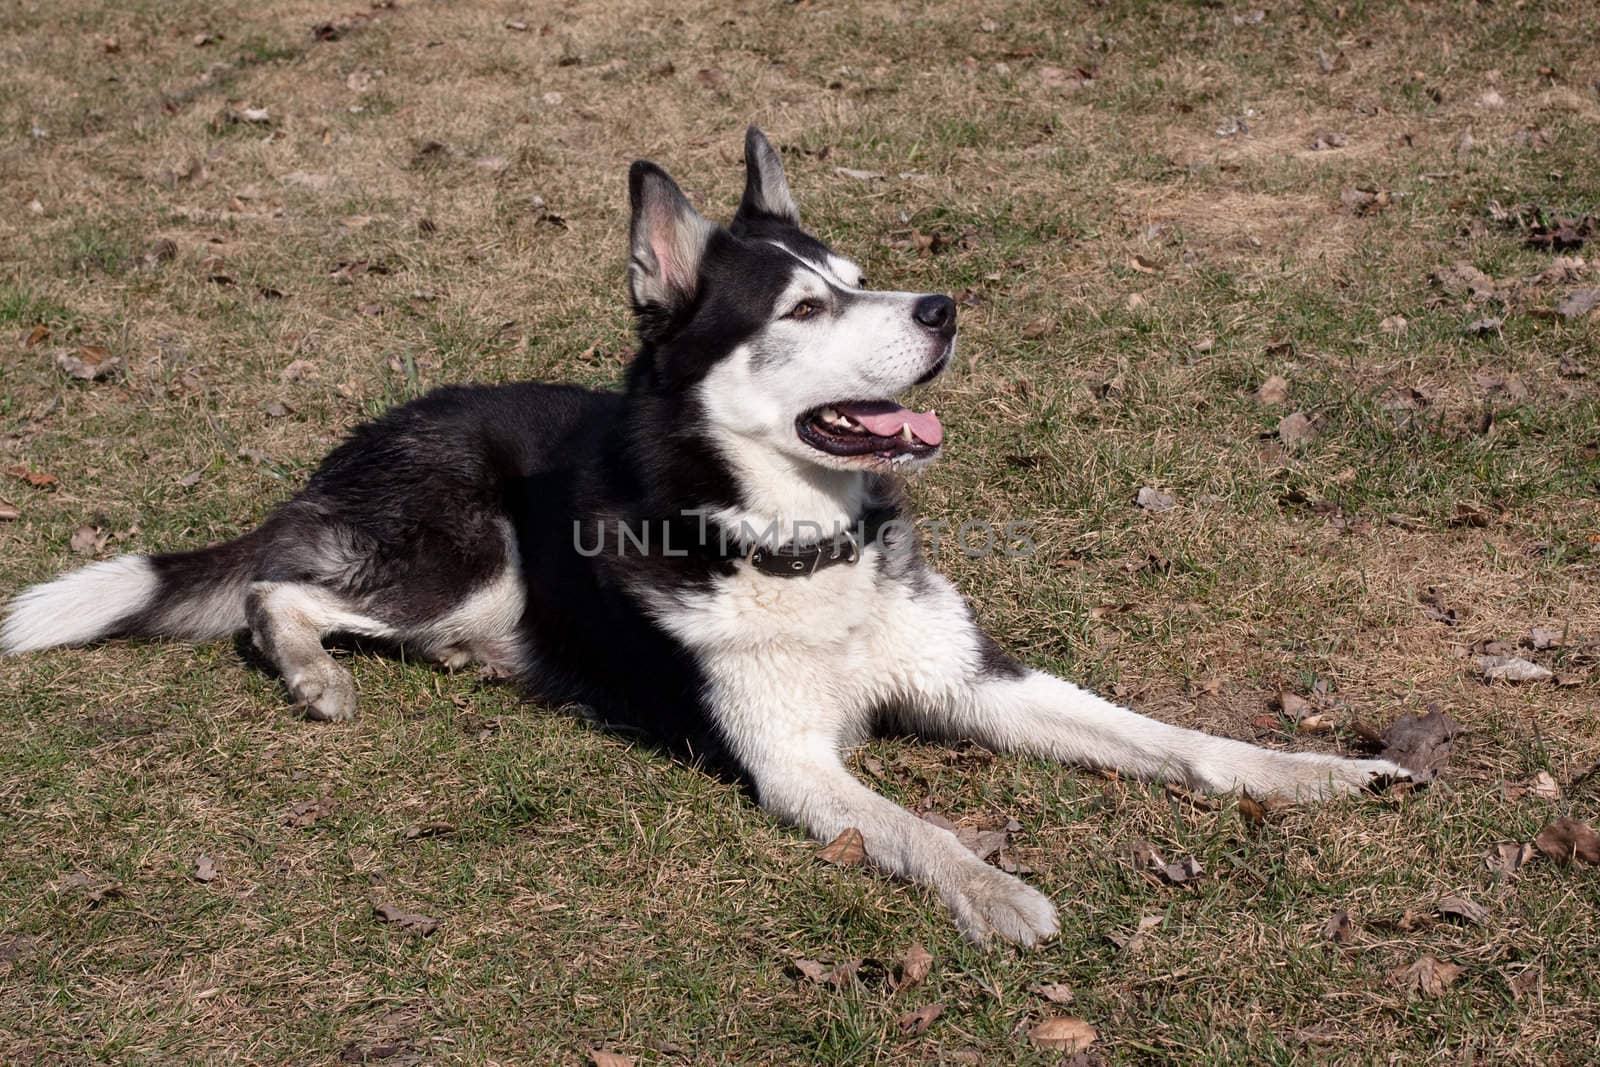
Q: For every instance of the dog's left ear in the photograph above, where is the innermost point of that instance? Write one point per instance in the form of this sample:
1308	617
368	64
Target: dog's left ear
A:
766	189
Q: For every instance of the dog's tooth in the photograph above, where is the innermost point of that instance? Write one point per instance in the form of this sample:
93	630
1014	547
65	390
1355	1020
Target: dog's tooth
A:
830	415
905	431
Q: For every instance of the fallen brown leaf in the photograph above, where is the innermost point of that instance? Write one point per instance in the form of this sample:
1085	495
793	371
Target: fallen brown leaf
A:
1420	743
1512	669
1544	786
913	1023
1066	1033
37	479
87	540
1428	976
601	1058
90	363
1275	390
1567	839
408	921
849	849
1507	857
1461	908
307	812
1296	428
1131	943
1155	500
427	829
9	512
1527	983
1054	992
205	869
822	974
914	966
1338	929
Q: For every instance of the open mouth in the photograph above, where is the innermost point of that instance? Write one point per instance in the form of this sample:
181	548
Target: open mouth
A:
879	428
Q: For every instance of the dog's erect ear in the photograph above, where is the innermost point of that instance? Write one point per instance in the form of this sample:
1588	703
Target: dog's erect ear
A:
766	190
668	241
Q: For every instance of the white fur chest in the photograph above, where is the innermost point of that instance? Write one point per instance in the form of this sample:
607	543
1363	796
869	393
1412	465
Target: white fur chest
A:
826	613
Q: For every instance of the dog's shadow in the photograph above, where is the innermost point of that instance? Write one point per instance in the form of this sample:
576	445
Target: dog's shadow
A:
705	760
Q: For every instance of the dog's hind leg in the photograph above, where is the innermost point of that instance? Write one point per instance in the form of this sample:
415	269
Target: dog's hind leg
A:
288	621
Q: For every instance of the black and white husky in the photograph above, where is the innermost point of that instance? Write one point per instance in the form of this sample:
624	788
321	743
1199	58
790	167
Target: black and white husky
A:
718	554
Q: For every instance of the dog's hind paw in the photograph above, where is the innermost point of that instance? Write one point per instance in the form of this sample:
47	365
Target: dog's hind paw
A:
990	903
326	691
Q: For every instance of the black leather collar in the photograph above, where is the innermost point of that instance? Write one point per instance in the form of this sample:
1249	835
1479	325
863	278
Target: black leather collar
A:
801	561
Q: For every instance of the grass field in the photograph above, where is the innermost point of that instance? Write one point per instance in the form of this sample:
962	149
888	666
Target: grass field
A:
1148	211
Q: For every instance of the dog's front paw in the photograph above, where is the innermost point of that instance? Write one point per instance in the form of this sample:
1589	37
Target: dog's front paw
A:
326	691
990	903
1313	776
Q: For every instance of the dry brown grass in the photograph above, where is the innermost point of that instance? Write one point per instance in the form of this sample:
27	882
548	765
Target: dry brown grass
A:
594	895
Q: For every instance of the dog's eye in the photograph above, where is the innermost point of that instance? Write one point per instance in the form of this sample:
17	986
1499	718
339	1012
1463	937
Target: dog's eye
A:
803	310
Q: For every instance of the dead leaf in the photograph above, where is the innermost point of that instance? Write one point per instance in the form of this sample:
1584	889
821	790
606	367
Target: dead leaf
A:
1428	976
1295	707
307	812
913	1023
9	512
427	829
849	849
1326	140
1394	325
601	1058
1507	857
1296	428
914	967
297	370
1567	839
408	921
1578	303
205	869
1512	669
1338	928
1251	810
1420	743
858	175
1332	64
1543	637
822	974
1054	992
1131	943
95	891
1155	500
1066	1033
1463	908
1144	264
87	540
1544	787
1527	983
1366	199
277	409
1275	390
1489	324
90	363
1463	279
37	479
36	336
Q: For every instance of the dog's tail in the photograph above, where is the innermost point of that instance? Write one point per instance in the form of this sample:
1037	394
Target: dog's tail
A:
193	595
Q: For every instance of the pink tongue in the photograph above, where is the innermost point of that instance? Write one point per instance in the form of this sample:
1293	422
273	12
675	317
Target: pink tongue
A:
885	420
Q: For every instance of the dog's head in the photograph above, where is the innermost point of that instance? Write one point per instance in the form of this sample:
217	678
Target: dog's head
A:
772	336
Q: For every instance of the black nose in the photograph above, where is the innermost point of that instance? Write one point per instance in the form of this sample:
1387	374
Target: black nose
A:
936	313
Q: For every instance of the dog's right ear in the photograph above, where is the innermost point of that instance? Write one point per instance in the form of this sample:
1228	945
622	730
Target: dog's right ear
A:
766	187
668	242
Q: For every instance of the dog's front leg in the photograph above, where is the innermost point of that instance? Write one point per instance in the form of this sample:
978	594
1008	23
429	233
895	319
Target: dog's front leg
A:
792	756
1010	708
